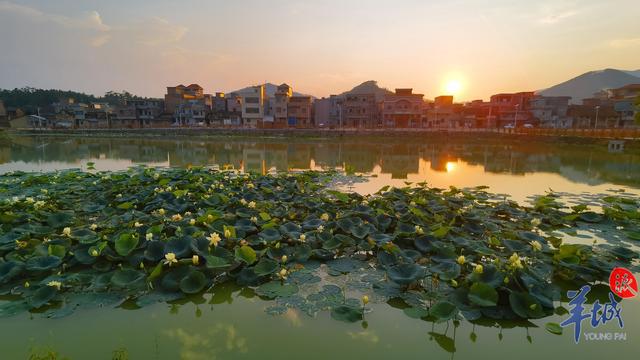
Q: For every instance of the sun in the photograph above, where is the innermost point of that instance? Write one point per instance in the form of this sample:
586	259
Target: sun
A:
451	166
453	87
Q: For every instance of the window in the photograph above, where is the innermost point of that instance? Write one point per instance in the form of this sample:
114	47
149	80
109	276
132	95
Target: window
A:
252	111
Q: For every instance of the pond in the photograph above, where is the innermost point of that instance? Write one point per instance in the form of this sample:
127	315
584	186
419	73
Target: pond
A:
231	322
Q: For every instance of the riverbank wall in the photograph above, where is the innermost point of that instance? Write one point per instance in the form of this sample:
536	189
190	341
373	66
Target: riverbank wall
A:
571	135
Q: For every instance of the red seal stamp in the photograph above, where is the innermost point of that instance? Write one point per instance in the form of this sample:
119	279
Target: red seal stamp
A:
623	283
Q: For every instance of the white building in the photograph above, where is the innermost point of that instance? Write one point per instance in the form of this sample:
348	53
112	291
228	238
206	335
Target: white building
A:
253	105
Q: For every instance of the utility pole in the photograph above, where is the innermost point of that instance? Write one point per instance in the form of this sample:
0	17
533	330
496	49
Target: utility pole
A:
597	111
515	120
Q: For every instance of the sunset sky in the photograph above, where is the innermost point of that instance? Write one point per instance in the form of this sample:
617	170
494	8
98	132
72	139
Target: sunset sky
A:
319	47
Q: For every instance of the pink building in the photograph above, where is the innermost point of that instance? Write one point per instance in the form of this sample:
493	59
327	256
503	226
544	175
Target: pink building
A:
403	109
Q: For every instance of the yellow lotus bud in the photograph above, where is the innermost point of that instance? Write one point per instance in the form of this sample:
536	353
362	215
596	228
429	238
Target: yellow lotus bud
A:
478	269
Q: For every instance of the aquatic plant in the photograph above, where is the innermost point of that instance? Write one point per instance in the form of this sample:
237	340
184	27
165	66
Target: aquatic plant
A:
73	239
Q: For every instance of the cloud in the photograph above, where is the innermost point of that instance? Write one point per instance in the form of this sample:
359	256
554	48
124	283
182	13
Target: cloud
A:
89	21
625	43
555	18
100	40
141	55
153	31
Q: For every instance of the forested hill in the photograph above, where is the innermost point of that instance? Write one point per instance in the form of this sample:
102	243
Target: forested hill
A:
31	98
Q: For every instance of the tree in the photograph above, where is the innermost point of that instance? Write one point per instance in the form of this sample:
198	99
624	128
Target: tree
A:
30	99
118	98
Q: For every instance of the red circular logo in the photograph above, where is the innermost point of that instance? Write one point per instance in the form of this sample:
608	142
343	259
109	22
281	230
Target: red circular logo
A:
623	283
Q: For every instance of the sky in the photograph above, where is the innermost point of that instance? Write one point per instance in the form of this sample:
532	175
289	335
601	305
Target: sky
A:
319	47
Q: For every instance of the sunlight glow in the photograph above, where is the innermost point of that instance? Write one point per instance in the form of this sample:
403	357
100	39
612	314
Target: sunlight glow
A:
453	87
451	166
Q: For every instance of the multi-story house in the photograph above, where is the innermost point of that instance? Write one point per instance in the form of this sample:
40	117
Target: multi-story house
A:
138	113
218	109
626	109
219	103
177	95
147	110
125	116
299	112
475	114
360	111
624	102
233	116
336	113
442	113
321	110
403	109
550	111
280	104
593	117
188	104
253	105
625	92
192	112
512	109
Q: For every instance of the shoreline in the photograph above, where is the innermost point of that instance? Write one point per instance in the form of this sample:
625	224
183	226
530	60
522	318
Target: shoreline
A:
572	135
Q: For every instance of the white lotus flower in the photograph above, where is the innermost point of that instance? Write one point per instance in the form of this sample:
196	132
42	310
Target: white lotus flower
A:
214	239
170	258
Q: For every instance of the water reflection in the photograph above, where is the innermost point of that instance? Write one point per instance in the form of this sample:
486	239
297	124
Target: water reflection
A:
229	322
441	162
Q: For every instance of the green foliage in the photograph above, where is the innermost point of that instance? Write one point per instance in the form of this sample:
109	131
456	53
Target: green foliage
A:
152	235
553	328
31	99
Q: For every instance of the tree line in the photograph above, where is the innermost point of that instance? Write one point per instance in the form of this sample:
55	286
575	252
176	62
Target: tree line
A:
30	99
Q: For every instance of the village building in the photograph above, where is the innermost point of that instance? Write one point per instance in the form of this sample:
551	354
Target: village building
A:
253	105
550	111
282	96
299	112
403	109
593	117
360	111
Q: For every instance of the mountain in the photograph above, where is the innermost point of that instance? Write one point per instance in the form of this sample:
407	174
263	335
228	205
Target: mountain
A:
270	90
634	73
369	87
585	85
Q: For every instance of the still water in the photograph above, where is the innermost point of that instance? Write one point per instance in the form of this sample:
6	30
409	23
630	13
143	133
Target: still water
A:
230	323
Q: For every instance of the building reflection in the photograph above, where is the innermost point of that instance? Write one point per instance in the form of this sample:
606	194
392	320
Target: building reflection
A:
398	158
